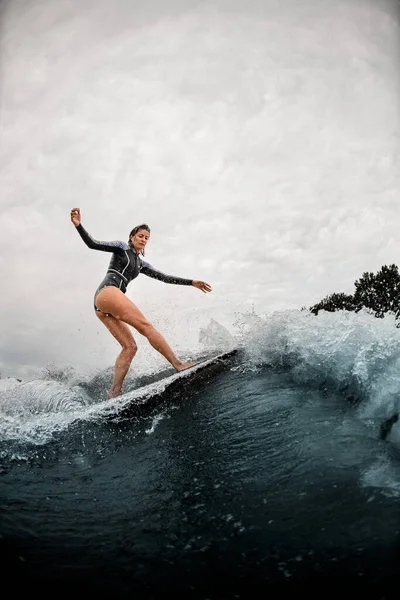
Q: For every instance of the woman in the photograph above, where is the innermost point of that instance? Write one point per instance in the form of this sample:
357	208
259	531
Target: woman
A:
115	310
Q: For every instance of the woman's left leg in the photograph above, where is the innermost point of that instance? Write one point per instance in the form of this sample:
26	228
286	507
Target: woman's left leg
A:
112	301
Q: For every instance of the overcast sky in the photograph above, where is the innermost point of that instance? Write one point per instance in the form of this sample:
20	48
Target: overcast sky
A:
259	139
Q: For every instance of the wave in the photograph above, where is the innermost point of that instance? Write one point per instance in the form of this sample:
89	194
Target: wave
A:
356	355
35	411
36	397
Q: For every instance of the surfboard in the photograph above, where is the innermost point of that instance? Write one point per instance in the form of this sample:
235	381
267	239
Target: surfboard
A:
206	363
175	387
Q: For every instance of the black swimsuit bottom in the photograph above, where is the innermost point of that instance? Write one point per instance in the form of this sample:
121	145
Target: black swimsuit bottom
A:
110	280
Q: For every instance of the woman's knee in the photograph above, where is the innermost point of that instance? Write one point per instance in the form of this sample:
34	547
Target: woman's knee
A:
130	348
144	328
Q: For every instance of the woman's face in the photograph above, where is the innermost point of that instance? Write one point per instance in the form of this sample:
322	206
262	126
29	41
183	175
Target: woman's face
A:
140	239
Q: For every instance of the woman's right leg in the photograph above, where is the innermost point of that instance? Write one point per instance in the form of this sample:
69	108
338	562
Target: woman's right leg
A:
122	334
111	300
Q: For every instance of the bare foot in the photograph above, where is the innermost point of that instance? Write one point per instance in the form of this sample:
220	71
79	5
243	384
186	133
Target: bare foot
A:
184	365
113	393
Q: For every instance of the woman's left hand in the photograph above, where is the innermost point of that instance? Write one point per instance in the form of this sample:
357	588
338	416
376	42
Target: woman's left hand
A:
202	285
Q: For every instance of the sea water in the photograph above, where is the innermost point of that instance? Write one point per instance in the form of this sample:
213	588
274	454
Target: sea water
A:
268	475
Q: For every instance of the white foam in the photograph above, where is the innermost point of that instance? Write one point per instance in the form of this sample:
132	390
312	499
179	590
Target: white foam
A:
354	353
384	475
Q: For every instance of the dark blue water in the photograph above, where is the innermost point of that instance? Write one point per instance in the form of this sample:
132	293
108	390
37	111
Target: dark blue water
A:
238	483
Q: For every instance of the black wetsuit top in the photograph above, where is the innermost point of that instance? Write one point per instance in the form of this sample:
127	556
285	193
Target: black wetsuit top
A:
125	264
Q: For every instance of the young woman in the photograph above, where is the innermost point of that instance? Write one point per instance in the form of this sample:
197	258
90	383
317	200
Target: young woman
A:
116	311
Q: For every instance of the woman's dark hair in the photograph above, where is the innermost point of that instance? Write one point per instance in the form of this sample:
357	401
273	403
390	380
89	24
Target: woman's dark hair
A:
134	232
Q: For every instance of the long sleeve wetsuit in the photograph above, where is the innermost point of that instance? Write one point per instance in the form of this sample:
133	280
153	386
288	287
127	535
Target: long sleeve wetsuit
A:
125	265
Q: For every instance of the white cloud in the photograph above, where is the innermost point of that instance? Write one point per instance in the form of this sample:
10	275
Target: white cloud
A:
259	140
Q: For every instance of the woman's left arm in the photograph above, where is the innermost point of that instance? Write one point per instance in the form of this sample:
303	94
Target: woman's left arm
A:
148	270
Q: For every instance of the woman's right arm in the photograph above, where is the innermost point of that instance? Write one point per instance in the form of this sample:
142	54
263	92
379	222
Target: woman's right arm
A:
116	247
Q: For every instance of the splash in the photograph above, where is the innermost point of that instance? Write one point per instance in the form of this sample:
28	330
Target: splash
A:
216	337
40	397
357	355
33	412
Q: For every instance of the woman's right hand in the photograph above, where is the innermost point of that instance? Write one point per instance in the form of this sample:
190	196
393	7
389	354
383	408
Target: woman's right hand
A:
76	216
